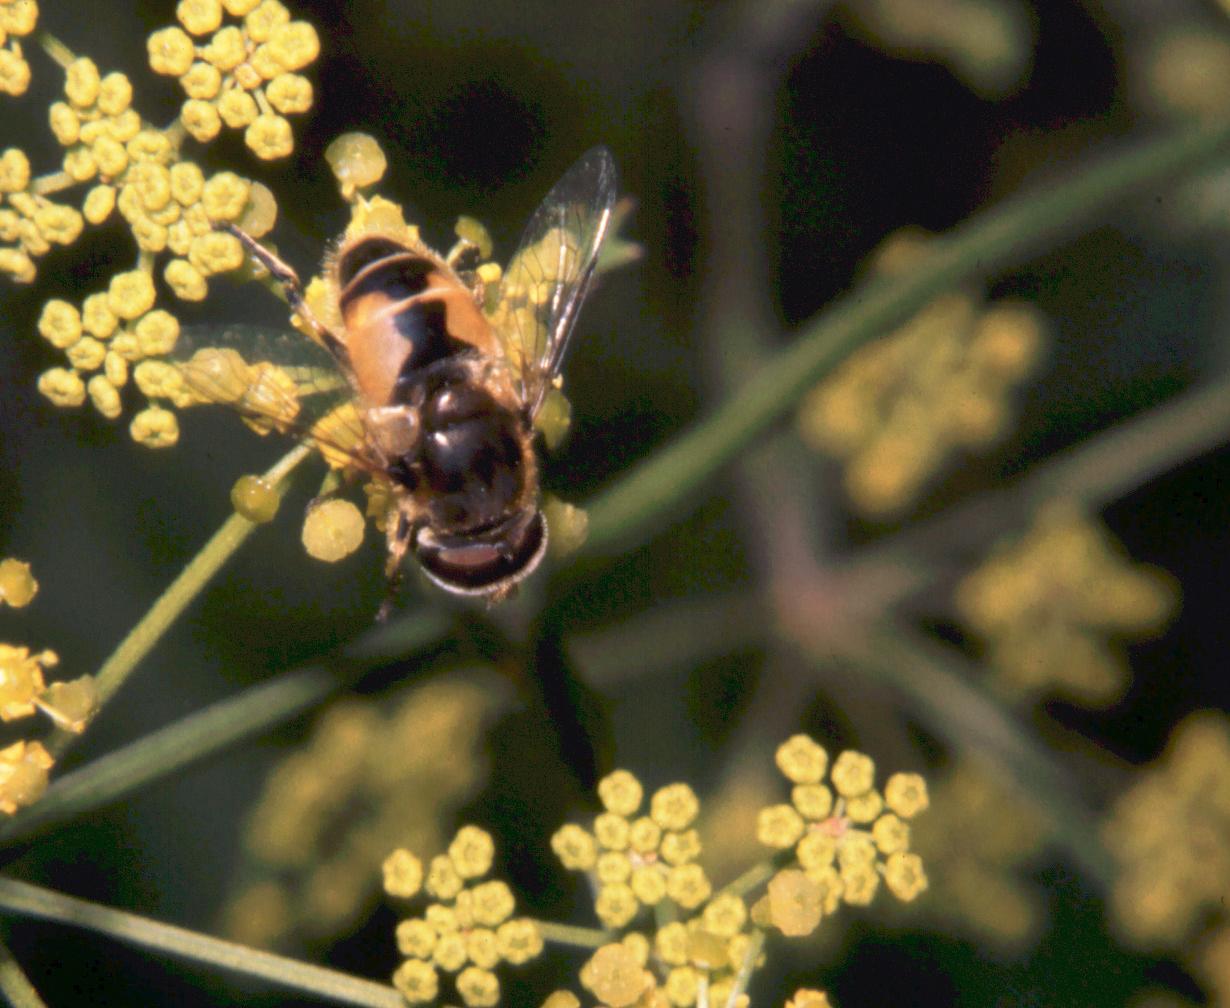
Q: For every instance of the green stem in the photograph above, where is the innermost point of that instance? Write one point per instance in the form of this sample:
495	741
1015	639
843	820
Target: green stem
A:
15	985
160	753
179	594
627	512
568	934
746	968
35	901
53	182
54	48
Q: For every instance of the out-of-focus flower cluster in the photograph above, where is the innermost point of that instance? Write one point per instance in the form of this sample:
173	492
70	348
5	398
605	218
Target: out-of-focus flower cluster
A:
1170	834
988	44
979	882
370	779
846	834
896	410
1048	603
467	929
242	76
17	20
25	765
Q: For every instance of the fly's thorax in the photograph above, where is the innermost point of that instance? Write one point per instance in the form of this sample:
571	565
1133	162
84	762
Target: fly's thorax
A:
402	310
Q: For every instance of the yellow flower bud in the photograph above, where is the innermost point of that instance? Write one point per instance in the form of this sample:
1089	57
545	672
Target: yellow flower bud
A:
17	584
269	137
620	793
14	170
155	428
332	531
224	196
62	387
226	49
86	354
130	295
185	280
170	52
356	160
199	17
237	109
157	333
81	82
802	760
261	22
60	324
674	807
114	94
472	852
289	93
200	119
478	988
104	396
202	81
853	773
99	202
65	123
415	938
518	941
97	318
403	873
417	981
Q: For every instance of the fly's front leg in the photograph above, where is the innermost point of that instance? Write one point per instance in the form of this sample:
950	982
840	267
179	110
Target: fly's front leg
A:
402	527
284	273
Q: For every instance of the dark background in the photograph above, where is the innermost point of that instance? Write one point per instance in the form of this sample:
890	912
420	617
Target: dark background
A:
479	108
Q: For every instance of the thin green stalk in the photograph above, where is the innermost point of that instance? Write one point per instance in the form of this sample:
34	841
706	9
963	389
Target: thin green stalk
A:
179	594
568	934
15	985
160	753
746	968
625	514
34	901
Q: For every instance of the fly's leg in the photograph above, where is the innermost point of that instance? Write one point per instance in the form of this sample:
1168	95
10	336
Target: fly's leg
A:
285	274
400	535
464	259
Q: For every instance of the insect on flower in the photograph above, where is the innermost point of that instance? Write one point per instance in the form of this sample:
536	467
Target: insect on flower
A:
421	391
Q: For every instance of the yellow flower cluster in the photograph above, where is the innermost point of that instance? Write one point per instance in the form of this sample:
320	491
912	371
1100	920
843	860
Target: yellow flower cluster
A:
30	222
468	929
1170	834
979	886
897	409
241	76
368	779
846	835
24	770
638	860
1048	603
17	20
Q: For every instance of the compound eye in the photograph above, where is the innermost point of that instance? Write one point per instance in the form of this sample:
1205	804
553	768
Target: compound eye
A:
483	566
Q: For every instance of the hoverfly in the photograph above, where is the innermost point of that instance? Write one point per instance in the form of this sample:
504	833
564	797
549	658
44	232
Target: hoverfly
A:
424	393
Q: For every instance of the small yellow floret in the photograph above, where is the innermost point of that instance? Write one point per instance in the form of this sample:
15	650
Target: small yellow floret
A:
104	396
269	137
806	998
674	807
518	941
87	354
357	162
199	17
906	794
224	196
779	826
294	45
155	427
14	170
200	119
472	852
226	48
478	988
904	875
60	324
417	981
215	252
99	202
263	19
614	976
576	849
688	885
185	280
130	295
23	775
620	792
853	773
202	81
794	903
403	874
17	584
237	109
114	94
170	51
62	387
81	82
289	93
332	531
415	937
615	905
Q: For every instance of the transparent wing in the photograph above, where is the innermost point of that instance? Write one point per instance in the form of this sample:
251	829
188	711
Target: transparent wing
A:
277	380
547	279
